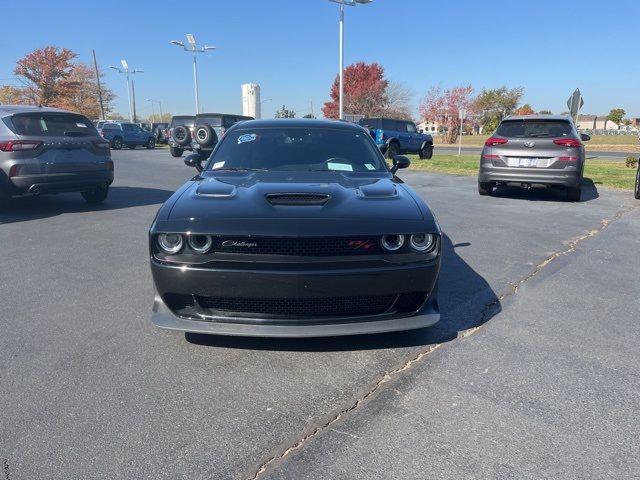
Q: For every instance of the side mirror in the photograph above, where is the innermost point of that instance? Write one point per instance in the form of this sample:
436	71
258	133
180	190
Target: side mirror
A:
194	161
584	137
400	161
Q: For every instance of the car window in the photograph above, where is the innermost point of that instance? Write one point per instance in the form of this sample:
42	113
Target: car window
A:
534	128
389	124
411	128
371	123
229	121
212	120
188	121
297	149
51	124
111	126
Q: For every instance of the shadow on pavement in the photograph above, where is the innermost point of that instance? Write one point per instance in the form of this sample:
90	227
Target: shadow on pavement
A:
589	192
32	208
463	295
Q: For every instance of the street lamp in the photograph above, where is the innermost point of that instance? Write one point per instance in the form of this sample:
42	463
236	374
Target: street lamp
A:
152	110
350	3
193	48
127	71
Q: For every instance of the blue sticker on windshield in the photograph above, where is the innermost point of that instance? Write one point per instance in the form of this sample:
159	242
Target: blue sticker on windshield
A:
247	137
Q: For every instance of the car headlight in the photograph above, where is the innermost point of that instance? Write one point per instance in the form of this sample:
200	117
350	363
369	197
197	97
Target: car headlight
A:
200	243
391	243
422	242
170	242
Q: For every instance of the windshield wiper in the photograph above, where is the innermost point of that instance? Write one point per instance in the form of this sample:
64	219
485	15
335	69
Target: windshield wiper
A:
76	134
236	169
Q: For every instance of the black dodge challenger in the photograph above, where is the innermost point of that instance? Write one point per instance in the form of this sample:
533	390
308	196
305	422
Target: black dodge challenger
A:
295	228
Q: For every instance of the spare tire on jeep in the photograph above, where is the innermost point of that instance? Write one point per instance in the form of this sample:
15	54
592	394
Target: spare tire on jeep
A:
205	135
181	135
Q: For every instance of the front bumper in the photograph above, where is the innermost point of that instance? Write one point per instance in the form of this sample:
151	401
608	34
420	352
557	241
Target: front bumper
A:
61	182
532	176
291	284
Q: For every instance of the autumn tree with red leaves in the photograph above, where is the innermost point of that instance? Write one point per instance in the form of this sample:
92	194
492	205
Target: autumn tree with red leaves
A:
51	78
443	107
525	110
368	93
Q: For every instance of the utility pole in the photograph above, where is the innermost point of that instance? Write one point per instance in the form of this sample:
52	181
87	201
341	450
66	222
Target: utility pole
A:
95	65
133	98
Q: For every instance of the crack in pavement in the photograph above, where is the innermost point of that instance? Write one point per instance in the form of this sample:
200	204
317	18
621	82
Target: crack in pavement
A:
5	469
486	314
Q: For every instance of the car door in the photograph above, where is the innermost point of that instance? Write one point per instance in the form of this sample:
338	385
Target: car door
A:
404	136
127	134
415	139
140	135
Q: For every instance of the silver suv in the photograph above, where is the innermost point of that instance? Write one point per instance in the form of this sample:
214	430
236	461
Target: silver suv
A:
46	150
534	151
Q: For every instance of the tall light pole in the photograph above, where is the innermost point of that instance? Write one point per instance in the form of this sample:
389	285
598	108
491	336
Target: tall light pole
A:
350	3
193	49
127	71
159	103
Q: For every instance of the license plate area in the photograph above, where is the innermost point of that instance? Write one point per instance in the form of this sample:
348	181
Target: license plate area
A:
527	162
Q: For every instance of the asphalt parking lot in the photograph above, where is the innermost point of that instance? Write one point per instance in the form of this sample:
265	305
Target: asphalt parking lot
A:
532	372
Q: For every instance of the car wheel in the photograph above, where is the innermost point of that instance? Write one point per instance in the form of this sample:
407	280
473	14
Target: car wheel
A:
175	152
181	135
116	143
151	144
392	150
637	191
97	195
574	193
485	188
426	153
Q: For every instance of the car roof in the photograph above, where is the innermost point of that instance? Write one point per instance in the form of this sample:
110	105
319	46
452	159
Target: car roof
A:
9	109
297	122
220	114
537	117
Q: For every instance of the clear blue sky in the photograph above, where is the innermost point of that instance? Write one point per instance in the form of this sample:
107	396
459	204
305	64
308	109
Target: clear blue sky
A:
290	47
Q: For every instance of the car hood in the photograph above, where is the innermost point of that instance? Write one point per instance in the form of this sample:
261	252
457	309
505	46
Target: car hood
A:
246	195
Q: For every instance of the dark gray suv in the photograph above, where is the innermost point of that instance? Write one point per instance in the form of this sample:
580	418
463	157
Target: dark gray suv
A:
46	150
534	151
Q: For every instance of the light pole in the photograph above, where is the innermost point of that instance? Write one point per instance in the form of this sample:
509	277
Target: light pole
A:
193	49
127	71
159	103
350	3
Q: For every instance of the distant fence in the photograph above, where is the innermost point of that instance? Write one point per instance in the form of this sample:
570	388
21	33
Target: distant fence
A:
600	131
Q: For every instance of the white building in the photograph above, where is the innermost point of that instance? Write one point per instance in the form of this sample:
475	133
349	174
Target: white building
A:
593	122
251	100
428	127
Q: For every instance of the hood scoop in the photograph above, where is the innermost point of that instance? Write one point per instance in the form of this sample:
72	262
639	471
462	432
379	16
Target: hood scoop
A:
215	188
298	199
378	190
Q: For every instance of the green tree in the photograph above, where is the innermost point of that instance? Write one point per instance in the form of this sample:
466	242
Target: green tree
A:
284	112
545	112
495	104
309	115
616	115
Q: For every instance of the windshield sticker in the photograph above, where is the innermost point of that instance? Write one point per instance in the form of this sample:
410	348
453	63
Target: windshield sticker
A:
247	137
217	165
345	167
369	166
81	125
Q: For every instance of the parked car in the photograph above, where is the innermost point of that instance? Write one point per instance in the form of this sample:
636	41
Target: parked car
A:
295	228
183	142
637	189
47	150
121	134
394	137
534	151
158	128
201	138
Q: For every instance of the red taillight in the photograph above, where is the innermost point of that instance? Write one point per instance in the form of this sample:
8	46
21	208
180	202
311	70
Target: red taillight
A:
101	143
18	145
110	165
568	159
568	142
13	171
491	157
495	141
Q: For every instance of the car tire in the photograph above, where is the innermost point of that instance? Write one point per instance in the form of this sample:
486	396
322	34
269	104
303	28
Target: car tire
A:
176	152
485	188
151	144
426	153
116	143
99	194
392	150
181	135
574	193
205	136
636	193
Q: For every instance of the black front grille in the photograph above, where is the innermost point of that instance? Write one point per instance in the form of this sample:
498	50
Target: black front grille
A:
300	246
299	307
297	198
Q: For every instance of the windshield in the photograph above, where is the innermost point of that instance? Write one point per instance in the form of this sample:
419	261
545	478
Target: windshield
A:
52	124
534	129
297	149
214	121
188	121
